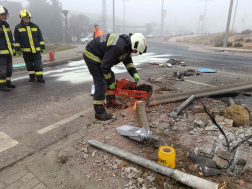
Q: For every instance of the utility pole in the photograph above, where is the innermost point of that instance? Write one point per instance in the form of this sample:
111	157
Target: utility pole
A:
65	12
113	16
235	14
104	16
228	22
124	15
162	18
204	14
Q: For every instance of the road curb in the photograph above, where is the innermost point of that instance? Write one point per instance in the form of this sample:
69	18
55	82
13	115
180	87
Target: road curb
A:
52	64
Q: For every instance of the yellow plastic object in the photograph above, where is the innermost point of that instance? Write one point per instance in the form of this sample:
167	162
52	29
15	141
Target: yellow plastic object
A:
166	156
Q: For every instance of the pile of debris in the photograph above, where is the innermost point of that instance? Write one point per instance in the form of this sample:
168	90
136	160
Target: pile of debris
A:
174	61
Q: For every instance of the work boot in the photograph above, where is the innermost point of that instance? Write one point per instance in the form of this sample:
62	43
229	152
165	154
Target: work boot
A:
40	79
103	116
9	85
4	88
32	78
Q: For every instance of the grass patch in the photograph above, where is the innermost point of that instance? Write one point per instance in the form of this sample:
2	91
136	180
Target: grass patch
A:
57	48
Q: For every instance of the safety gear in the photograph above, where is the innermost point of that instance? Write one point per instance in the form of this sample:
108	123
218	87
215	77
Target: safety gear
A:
19	53
100	55
28	38
5	88
40	79
4	11
25	13
109	50
43	50
5	70
138	42
32	78
34	65
136	77
6	40
10	85
103	116
97	33
112	86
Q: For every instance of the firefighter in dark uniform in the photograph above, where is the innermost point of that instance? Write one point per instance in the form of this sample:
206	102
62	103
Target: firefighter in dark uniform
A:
101	54
7	49
29	41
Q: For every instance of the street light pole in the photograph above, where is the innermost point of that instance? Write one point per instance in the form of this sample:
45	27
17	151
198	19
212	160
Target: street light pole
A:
162	18
235	14
228	23
124	16
204	14
113	16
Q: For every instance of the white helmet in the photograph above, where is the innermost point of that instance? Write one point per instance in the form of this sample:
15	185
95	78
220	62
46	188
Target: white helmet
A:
4	11
138	42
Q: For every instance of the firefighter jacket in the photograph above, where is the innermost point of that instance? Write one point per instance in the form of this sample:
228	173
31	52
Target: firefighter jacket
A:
28	38
97	33
109	50
6	40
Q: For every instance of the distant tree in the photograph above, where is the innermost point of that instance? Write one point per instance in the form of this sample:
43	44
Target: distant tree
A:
247	31
80	24
47	15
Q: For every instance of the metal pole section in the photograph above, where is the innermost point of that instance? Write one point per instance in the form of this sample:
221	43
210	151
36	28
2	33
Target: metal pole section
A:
175	112
124	19
200	93
235	14
67	33
228	22
162	18
204	18
113	16
231	101
189	180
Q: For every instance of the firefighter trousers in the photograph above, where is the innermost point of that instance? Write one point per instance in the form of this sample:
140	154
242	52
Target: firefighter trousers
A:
33	64
5	70
100	85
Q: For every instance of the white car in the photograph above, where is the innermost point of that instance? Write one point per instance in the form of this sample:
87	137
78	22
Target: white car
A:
87	39
153	35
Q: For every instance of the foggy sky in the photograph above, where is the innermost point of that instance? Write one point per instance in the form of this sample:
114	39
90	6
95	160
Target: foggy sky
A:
183	13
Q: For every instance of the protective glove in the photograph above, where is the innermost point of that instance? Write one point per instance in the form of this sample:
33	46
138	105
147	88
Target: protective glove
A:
19	53
136	77
112	86
43	50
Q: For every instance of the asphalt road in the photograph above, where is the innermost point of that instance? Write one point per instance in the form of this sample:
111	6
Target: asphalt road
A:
27	113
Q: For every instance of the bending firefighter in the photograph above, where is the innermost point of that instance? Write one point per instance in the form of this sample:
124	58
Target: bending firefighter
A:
7	49
101	55
29	40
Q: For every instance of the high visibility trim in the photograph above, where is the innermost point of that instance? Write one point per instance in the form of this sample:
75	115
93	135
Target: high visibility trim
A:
115	40
107	76
4	52
38	49
8	29
25	49
99	102
31	72
41	42
34	29
39	73
2	80
8	78
130	65
111	39
108	94
21	29
31	39
91	56
7	40
16	44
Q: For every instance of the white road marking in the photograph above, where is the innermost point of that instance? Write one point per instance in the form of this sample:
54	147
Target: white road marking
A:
6	142
199	83
62	122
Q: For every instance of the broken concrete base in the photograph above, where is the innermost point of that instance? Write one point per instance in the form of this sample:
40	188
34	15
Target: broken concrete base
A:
224	154
220	162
